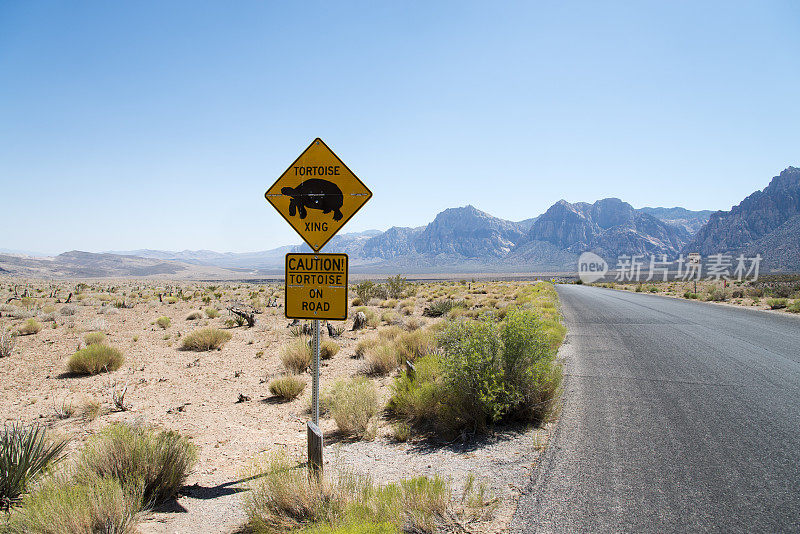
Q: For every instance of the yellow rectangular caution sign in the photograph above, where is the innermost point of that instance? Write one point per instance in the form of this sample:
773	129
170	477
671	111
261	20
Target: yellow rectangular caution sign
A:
316	286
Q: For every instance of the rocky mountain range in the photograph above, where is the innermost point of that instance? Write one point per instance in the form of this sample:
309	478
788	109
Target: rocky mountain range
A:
766	222
466	239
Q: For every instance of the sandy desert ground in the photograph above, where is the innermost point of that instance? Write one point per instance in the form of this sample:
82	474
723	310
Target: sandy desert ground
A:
220	398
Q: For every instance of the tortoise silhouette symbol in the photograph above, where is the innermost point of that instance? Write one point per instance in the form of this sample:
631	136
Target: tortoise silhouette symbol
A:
315	194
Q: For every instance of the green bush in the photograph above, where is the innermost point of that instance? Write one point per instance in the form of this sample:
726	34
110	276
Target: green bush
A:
61	505
25	454
287	387
487	372
206	339
155	462
94	338
777	304
95	359
163	322
690	295
365	290
795	307
353	404
212	313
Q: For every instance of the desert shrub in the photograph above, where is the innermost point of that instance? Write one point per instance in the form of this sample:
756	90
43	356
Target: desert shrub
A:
95	359
381	359
30	327
94	338
389	303
353	404
716	294
737	293
171	300
357	302
194	316
413	344
413	324
396	286
487	372
7	343
795	307
389	332
68	310
390	317
365	344
25	455
163	322
283	498
328	349
407	310
755	292
690	295
777	304
212	313
296	356
365	290
441	307
287	387
205	339
155	462
779	291
61	505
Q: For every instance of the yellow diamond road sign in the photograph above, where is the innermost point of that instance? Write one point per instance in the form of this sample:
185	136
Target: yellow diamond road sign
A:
316	286
318	194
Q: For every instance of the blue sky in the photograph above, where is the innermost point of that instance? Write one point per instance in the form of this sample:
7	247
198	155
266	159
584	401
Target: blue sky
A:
160	124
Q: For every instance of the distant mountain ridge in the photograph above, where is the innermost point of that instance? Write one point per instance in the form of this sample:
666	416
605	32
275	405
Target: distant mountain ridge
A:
466	239
767	222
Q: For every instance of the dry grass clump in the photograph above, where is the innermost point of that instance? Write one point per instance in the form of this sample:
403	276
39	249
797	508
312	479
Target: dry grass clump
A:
95	359
296	356
415	343
163	322
381	359
353	404
61	505
365	344
389	333
94	338
156	462
390	317
328	349
390	303
413	323
287	387
68	310
30	327
212	313
206	339
283	498
407	310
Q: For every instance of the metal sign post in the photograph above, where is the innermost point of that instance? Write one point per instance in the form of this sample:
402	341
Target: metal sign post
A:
317	195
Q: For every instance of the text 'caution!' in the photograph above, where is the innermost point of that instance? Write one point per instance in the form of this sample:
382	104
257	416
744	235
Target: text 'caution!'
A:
316	286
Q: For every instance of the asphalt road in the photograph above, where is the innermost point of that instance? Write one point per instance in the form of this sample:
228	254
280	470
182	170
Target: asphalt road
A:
678	416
